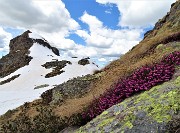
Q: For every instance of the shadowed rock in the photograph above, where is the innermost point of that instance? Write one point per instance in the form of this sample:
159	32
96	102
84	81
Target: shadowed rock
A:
19	53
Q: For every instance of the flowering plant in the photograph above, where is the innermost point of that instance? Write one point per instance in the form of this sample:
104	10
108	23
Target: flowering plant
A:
142	79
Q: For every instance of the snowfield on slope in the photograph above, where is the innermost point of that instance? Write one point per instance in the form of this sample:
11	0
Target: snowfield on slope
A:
21	89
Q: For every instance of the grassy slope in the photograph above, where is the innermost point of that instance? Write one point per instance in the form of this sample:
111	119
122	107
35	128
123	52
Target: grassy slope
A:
141	55
146	52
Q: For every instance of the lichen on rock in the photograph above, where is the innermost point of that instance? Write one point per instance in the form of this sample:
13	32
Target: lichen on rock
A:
73	88
150	111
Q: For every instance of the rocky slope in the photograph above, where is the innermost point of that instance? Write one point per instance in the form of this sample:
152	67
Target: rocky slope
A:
25	79
150	105
19	53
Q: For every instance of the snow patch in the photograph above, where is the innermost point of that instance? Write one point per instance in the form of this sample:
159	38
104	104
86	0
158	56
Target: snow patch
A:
21	89
35	36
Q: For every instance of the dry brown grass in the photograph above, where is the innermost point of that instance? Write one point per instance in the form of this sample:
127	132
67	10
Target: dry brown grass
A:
118	69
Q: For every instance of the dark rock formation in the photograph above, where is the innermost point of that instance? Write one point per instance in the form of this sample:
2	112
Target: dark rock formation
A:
171	17
57	66
21	43
46	44
9	79
84	61
54	72
60	64
19	53
41	86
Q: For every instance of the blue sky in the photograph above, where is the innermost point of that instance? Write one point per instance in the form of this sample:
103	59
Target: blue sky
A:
108	14
109	19
100	29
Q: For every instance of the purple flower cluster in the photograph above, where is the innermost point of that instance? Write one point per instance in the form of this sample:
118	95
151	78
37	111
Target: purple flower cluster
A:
141	80
173	58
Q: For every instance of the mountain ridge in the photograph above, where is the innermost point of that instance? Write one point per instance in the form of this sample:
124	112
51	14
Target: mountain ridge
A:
59	114
32	67
18	54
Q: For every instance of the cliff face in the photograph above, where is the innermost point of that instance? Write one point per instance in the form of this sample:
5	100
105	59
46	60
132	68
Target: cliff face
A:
150	105
21	43
19	53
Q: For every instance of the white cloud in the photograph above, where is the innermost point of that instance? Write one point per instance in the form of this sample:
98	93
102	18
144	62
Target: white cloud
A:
4	40
108	42
134	14
50	19
92	21
58	40
83	51
140	13
47	16
102	59
108	12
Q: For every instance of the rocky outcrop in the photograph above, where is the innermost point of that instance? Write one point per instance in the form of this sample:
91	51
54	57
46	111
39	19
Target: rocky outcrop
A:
19	53
9	79
73	88
41	86
84	61
57	67
46	44
21	43
55	72
170	18
60	64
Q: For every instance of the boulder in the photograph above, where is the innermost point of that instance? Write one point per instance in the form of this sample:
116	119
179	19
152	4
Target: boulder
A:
84	61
